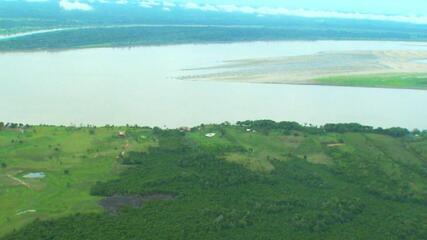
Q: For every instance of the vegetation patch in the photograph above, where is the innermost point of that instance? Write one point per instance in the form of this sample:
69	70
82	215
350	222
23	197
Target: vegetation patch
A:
114	203
402	80
277	180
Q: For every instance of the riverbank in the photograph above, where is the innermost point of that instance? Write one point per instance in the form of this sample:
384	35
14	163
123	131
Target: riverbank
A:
397	81
386	69
65	37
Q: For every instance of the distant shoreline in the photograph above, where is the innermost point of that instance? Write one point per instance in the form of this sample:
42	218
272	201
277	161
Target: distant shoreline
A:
124	47
64	38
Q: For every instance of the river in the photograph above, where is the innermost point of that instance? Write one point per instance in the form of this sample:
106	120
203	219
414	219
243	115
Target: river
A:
139	86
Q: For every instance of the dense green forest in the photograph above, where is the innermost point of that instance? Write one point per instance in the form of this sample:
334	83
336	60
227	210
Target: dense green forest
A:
250	180
109	25
162	35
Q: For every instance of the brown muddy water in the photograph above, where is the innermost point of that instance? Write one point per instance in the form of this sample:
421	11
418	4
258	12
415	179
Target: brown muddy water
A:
140	86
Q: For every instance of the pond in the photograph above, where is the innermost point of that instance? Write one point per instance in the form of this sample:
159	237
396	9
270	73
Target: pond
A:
35	175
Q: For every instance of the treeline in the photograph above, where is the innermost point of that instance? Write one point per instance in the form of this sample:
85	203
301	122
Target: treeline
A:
137	36
327	128
13	125
266	125
204	169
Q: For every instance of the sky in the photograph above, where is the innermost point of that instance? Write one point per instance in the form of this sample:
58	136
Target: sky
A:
396	7
410	11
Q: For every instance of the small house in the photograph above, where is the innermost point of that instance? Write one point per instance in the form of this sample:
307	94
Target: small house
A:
184	129
210	135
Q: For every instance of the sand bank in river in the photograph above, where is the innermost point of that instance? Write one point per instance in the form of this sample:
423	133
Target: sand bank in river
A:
305	69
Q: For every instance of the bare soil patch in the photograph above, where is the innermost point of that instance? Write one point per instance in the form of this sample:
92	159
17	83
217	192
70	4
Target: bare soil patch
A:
114	203
332	145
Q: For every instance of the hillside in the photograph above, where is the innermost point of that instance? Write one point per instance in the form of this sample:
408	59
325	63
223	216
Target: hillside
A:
250	180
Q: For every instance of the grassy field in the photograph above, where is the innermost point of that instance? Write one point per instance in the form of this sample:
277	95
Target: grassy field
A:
253	180
404	81
73	159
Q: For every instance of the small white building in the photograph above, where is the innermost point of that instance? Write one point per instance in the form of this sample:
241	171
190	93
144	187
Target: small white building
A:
210	135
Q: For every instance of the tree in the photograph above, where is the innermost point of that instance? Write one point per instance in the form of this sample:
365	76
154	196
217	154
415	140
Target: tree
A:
3	165
415	131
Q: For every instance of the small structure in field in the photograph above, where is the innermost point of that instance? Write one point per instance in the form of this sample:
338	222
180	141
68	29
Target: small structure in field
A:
184	129
210	135
122	134
35	175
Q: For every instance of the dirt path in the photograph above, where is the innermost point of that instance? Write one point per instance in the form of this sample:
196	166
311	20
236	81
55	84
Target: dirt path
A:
336	145
18	181
26	211
126	146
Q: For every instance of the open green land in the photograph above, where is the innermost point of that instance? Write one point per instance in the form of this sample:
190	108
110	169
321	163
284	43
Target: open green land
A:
403	80
73	160
252	180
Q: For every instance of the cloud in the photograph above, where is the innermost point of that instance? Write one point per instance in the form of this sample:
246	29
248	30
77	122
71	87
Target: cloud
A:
36	1
148	3
201	7
264	11
74	5
168	4
278	11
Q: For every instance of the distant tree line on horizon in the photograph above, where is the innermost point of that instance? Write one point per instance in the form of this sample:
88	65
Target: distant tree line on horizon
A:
153	36
288	126
327	128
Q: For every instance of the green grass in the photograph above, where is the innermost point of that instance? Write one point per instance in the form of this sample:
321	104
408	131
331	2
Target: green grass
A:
405	81
268	183
88	158
261	148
